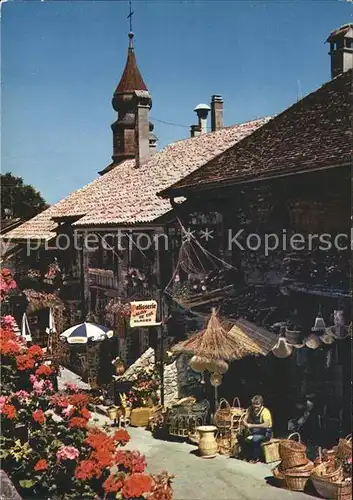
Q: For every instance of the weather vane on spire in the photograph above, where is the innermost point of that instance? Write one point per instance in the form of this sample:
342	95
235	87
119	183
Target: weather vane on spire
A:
130	15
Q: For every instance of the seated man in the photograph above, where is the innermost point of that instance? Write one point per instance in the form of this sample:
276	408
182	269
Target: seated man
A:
258	425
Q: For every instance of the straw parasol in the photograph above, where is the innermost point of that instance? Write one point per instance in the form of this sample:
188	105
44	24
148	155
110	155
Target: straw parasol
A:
229	342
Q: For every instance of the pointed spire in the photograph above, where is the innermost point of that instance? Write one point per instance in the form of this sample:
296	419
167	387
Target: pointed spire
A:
131	79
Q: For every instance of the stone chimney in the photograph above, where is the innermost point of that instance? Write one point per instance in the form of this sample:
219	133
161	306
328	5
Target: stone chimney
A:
216	112
202	111
341	49
142	127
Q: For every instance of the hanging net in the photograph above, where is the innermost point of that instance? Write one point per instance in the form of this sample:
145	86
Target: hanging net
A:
200	277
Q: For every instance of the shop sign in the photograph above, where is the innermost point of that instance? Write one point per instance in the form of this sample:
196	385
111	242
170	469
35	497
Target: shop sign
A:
143	313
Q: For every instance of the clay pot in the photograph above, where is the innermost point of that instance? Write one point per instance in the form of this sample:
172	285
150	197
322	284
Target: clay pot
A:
208	447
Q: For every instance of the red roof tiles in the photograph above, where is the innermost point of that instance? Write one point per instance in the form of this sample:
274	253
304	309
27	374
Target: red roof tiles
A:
127	195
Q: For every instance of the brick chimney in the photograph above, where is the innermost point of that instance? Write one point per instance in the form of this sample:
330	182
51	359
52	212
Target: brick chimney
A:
195	130
216	112
142	127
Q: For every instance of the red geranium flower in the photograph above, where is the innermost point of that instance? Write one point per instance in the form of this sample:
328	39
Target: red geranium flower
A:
112	484
136	485
80	423
9	411
88	469
24	362
44	370
79	400
9	347
41	465
103	457
36	351
39	416
61	401
85	413
121	436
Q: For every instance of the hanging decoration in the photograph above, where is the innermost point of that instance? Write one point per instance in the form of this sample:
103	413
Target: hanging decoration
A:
282	349
319	325
313	341
216	379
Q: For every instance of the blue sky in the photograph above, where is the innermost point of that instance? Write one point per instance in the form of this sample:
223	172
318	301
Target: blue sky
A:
61	61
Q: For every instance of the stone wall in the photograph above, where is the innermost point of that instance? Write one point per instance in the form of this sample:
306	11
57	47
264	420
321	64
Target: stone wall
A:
179	379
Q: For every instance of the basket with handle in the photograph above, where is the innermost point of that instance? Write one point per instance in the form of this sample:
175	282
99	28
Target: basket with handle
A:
279	477
236	409
328	481
223	416
344	447
297	478
288	447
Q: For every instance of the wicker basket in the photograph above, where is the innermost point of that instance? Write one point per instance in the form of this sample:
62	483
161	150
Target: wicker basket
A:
297	478
236	410
271	451
344	448
287	447
340	490
298	459
330	485
140	417
226	442
223	415
279	476
324	472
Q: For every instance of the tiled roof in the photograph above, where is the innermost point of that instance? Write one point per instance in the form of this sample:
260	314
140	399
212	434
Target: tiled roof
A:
127	195
314	133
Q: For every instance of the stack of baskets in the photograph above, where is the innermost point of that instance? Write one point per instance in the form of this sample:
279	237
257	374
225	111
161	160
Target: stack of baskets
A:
295	468
228	421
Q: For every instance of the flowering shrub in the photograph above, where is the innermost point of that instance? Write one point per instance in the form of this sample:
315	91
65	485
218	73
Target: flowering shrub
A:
145	388
7	283
48	445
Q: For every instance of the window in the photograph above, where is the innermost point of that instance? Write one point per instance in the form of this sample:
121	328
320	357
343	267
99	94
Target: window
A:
349	43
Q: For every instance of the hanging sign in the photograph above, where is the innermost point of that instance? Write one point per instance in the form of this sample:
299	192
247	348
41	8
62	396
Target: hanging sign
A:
143	313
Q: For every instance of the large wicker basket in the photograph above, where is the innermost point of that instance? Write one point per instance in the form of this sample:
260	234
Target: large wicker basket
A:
288	448
329	483
296	479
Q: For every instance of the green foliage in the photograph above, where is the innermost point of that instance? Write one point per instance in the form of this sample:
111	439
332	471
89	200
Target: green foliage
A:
21	199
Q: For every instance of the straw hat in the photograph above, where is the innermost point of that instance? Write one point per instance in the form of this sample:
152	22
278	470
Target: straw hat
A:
327	337
282	349
313	341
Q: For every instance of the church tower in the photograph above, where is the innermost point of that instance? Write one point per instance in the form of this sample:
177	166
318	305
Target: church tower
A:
133	135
